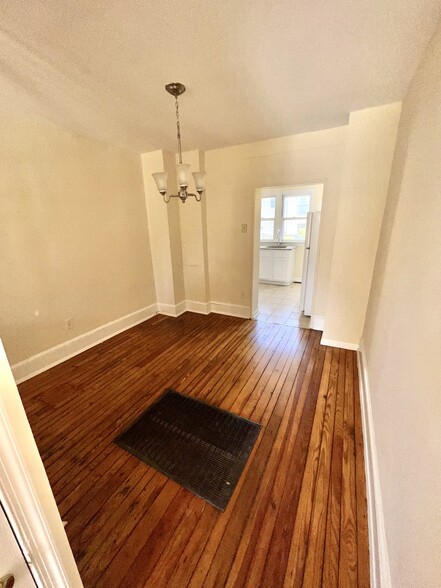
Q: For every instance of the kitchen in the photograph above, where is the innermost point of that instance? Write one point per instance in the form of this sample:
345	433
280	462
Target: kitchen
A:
288	253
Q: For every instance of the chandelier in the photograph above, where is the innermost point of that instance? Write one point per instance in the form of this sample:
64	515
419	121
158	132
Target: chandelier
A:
182	169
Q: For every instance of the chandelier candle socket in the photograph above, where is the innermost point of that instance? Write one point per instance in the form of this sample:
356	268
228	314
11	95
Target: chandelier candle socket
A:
182	169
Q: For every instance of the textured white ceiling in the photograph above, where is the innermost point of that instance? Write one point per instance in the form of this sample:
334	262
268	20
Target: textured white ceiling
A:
254	69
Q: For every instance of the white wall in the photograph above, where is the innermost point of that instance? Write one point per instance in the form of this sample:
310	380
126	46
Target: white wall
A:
234	174
73	236
402	338
365	181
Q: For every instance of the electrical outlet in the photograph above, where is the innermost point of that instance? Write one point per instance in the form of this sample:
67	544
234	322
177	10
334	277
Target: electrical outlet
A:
243	293
68	324
244	228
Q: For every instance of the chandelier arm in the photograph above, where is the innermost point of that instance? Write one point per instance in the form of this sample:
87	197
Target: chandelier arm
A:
196	196
182	196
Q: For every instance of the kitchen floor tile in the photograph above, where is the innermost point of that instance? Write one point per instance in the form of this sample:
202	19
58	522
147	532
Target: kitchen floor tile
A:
280	305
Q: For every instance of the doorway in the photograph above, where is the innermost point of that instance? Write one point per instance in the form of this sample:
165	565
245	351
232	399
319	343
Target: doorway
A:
285	253
280	304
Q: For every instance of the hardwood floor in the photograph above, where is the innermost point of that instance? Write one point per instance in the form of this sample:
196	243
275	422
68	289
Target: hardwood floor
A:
298	516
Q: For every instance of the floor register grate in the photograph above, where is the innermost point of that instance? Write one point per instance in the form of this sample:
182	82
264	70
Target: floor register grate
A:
201	447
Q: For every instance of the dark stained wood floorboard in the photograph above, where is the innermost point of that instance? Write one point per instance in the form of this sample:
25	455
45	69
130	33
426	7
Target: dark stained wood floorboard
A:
348	564
219	567
260	520
119	389
332	539
298	516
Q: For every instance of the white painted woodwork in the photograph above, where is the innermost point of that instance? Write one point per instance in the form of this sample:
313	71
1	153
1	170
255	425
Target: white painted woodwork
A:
12	560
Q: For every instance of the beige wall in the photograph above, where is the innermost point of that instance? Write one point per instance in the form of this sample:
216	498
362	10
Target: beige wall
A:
365	181
178	233
164	230
193	226
73	236
174	231
402	338
234	174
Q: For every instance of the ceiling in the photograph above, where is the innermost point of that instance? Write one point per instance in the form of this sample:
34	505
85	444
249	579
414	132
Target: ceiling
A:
254	69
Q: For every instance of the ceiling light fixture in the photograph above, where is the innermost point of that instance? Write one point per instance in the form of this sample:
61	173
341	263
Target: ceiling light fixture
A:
182	169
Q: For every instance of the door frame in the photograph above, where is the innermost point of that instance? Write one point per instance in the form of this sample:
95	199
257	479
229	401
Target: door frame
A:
319	187
26	494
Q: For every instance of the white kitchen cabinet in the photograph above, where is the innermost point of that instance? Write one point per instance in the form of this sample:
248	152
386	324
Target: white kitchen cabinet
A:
277	265
266	265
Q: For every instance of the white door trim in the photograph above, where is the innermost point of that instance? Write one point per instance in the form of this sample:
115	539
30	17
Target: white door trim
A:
26	494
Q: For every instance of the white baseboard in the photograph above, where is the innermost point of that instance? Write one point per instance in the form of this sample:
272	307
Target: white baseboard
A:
317	322
339	344
184	306
379	559
231	309
275	282
181	307
199	307
46	359
204	308
174	310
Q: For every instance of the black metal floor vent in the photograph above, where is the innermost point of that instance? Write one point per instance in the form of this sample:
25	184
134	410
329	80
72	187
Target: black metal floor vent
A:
199	446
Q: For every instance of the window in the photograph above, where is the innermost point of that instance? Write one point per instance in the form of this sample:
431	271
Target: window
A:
267	218
283	216
295	210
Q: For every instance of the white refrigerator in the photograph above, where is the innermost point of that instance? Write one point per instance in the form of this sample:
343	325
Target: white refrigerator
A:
310	261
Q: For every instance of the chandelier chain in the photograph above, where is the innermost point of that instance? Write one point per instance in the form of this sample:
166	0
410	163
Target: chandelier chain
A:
183	170
178	128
